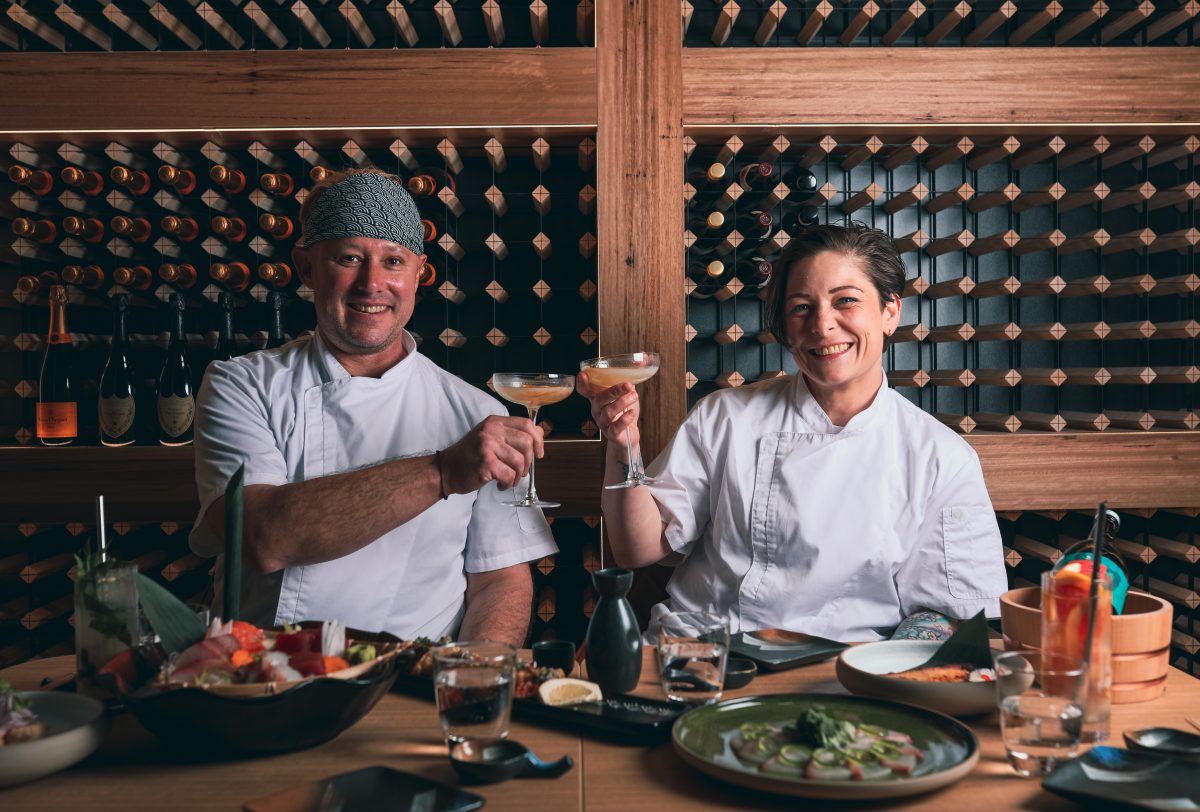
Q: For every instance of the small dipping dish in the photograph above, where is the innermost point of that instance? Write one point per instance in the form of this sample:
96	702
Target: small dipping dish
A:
739	671
501	760
555	654
1165	741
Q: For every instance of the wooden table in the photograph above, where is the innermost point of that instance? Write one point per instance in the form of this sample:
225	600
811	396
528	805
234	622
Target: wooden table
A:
132	771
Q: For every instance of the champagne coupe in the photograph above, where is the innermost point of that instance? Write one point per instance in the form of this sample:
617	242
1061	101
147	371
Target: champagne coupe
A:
533	390
610	370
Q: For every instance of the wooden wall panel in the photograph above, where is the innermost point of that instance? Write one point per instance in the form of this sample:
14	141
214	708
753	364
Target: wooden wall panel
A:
296	89
922	86
639	168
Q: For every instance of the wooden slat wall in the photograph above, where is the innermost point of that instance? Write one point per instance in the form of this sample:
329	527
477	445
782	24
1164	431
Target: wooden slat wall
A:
639	168
256	89
926	86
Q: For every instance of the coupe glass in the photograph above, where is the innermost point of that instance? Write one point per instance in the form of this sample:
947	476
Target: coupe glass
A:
533	390
610	370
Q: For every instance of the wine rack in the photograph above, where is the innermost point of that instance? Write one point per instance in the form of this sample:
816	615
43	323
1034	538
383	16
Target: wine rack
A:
510	282
937	23
296	24
1052	280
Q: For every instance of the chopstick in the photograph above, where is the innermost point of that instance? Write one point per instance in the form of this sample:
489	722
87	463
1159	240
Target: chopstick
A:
1194	723
1094	594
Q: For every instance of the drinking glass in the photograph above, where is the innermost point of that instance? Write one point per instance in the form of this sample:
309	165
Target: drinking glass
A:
533	390
610	370
1041	713
1066	611
692	647
106	619
473	683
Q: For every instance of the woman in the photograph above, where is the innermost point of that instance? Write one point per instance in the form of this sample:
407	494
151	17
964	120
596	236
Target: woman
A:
822	503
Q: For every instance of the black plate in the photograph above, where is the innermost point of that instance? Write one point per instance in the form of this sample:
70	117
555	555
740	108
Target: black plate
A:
619	716
375	789
1113	776
778	650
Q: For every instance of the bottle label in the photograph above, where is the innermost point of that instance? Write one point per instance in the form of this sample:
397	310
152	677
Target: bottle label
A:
175	414
57	420
116	415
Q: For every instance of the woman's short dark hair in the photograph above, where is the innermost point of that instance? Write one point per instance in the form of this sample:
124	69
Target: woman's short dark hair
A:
880	259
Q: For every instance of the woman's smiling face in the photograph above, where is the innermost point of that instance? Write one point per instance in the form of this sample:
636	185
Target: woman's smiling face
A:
835	327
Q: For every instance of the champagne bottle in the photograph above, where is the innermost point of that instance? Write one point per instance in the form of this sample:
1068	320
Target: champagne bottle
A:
277	225
279	184
428	182
428	277
43	231
233	275
135	228
176	400
135	277
90	229
185	229
182	180
84	276
135	180
278	274
702	223
181	275
231	228
708	276
275	332
57	410
117	406
231	180
37	181
89	182
703	176
429	231
30	284
226	343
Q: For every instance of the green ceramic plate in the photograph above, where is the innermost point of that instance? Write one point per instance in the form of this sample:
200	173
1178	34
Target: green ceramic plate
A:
701	736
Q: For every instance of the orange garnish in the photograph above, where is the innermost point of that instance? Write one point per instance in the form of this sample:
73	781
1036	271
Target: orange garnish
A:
241	657
334	664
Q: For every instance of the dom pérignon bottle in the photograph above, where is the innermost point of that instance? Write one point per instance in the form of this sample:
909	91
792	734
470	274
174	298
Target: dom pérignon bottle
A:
226	343
57	409
275	333
117	406
176	399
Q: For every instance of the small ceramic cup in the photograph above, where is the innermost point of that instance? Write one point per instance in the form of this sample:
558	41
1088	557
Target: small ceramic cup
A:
555	654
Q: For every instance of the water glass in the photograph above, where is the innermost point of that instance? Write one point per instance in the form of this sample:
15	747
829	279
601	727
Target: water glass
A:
692	647
1066	611
106	619
1041	713
473	684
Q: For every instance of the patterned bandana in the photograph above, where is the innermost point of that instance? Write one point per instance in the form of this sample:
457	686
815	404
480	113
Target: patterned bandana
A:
366	205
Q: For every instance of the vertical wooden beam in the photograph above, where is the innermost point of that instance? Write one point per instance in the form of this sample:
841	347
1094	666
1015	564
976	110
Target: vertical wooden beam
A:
639	164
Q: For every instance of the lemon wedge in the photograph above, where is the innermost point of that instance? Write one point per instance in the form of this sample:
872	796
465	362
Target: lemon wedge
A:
567	691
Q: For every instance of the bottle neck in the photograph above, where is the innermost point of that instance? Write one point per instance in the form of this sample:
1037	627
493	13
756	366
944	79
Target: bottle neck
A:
177	328
120	336
58	333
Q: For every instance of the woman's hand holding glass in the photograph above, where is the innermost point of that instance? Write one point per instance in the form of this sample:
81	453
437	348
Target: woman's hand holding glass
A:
615	409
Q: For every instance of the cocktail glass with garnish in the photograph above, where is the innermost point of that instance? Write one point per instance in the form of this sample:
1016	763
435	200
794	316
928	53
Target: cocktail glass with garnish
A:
610	370
533	390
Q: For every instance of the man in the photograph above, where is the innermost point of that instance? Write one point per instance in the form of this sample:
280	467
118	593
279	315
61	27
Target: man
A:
369	494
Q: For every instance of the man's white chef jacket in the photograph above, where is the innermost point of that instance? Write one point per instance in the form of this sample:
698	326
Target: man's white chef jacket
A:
783	520
295	414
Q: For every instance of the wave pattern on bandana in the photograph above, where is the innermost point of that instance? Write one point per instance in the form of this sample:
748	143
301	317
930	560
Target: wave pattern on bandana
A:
366	205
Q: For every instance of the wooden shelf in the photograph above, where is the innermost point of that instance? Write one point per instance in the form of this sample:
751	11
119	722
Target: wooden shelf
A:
256	90
919	87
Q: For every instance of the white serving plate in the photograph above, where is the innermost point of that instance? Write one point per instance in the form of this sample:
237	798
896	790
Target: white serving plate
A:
75	725
862	670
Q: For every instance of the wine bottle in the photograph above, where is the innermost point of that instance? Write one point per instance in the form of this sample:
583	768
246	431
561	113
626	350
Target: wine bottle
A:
755	272
84	276
176	400
703	176
57	410
279	274
320	174
43	231
135	180
89	182
181	275
701	223
135	277
231	180
135	228
185	229
117	406
30	284
90	229
429	231
755	224
226	343
231	228
428	182
233	275
279	184
761	175
277	225
275	333
428	277
182	180
797	219
802	182
708	276
38	181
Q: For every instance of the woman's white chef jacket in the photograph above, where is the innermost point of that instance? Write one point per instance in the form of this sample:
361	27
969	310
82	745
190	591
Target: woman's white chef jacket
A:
783	520
295	414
